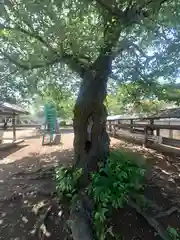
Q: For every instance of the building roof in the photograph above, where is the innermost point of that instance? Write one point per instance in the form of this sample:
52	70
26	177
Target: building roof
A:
8	109
167	113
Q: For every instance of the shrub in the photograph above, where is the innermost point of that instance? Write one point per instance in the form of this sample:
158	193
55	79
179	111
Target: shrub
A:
173	233
110	188
66	181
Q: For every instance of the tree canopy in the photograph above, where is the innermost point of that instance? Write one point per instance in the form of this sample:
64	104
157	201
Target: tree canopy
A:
39	36
142	98
126	40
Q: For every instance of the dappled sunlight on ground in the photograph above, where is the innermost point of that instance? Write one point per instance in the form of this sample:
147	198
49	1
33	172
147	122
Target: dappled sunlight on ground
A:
31	156
164	170
31	222
162	188
25	195
29	210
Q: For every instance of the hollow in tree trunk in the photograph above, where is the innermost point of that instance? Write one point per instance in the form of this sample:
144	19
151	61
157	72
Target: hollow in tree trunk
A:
91	142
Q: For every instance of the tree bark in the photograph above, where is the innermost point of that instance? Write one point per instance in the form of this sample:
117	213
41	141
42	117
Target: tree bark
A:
91	141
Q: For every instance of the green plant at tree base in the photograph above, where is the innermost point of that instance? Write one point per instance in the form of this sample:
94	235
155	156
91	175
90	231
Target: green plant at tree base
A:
110	187
66	181
173	233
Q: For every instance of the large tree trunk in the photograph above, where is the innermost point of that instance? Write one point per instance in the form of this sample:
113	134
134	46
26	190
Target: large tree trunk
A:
91	142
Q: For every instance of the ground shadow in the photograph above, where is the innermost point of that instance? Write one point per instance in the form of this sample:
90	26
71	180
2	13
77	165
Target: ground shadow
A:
162	188
6	152
21	219
23	191
27	193
163	170
33	162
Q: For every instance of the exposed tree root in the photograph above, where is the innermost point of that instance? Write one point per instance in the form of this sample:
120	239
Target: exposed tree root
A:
80	223
13	197
153	206
152	221
18	196
149	205
81	227
168	212
40	172
23	173
40	228
46	194
154	176
43	175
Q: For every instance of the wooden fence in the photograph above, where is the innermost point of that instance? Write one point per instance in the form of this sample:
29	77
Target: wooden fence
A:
21	126
146	132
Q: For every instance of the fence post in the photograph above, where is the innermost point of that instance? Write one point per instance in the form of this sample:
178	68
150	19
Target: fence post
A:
110	126
119	122
145	136
157	132
14	127
170	133
151	123
131	127
147	131
114	128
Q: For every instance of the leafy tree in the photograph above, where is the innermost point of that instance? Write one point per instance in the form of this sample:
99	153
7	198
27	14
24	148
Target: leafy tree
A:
41	37
148	107
61	89
142	99
128	40
10	90
170	93
59	96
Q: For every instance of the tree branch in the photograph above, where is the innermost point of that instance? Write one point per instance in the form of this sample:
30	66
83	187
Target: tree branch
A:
126	44
133	13
30	34
28	66
113	11
71	60
129	16
112	30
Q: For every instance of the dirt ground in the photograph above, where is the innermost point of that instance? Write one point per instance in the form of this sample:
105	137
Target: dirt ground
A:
21	195
25	195
162	189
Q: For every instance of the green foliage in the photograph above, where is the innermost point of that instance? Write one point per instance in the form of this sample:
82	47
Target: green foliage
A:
61	98
38	39
141	98
66	181
141	201
173	233
112	186
170	93
58	95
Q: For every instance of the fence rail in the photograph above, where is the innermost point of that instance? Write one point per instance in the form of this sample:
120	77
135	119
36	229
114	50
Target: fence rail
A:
147	133
20	126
